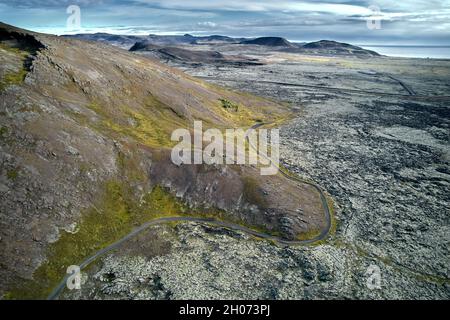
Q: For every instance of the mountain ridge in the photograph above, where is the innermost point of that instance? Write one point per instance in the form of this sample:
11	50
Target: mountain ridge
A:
328	47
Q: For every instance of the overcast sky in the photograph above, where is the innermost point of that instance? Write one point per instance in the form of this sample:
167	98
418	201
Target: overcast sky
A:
402	21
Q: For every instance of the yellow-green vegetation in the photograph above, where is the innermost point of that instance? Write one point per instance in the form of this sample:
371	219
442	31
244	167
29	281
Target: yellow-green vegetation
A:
253	193
310	234
227	104
115	216
12	174
334	221
14	77
3	131
250	107
151	125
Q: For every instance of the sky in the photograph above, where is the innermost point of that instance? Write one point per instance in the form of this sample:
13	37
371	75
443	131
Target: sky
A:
403	22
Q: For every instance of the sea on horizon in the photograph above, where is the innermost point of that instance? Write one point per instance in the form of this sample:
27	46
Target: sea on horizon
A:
434	52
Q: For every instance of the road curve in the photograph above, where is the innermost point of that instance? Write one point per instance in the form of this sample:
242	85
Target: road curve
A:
326	208
229	225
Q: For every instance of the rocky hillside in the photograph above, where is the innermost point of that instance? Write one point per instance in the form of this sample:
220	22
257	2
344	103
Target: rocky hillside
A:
84	143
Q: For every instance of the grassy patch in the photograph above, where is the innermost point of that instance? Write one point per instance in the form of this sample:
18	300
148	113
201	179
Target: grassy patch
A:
310	234
12	174
12	50
118	212
151	126
3	131
228	105
115	216
13	78
17	77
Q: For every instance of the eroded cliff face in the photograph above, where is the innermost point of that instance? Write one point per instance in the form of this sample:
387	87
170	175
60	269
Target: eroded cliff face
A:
270	203
84	140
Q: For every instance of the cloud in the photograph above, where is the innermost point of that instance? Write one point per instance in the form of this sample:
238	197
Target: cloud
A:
208	24
411	20
339	7
53	3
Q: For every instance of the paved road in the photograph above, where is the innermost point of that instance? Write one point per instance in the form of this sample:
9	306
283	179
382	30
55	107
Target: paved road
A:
56	292
323	234
404	85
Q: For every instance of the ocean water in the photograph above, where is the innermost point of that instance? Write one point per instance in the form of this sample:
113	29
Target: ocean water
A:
436	52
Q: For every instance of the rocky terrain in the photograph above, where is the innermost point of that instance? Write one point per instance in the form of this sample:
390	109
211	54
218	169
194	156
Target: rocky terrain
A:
81	169
84	156
381	151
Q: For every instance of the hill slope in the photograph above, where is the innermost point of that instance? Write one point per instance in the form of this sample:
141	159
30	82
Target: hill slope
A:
85	143
335	48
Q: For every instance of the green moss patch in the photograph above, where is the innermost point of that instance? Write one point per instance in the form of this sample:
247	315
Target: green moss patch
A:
150	125
110	220
228	105
12	174
16	77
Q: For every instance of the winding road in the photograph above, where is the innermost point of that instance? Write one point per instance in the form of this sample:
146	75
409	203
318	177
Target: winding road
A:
229	225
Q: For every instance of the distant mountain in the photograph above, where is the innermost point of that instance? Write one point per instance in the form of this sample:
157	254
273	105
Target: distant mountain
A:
145	43
123	41
178	54
174	53
218	39
270	42
170	40
335	48
326	44
190	39
126	41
